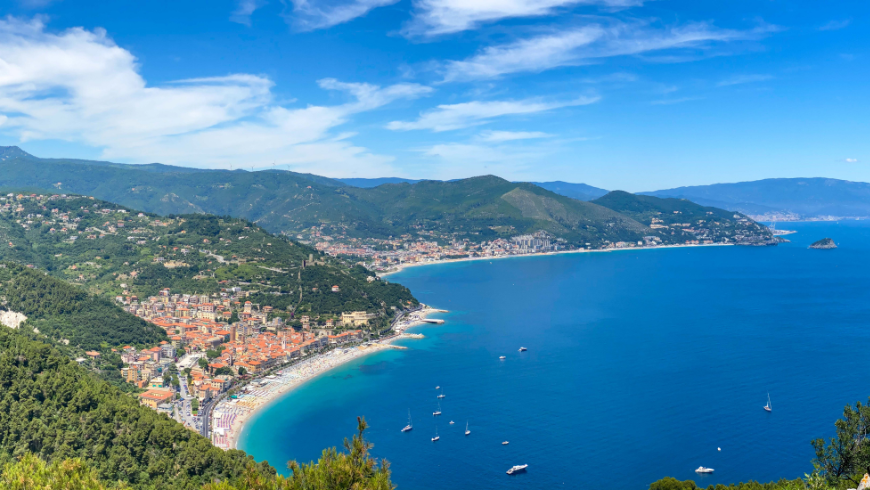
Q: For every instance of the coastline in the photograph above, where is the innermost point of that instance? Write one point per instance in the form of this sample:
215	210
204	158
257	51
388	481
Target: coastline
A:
402	267
230	415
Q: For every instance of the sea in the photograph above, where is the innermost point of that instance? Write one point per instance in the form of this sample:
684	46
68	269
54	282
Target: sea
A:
641	364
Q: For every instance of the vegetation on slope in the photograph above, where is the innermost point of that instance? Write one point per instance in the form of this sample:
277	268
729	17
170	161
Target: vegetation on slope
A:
112	250
478	209
57	410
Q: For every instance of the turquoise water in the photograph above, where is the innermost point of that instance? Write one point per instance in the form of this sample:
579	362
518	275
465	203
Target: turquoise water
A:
640	365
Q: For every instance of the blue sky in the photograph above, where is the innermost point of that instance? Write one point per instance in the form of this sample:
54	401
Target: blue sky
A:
621	94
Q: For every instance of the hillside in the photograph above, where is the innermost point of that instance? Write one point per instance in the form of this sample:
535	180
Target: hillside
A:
807	198
113	251
582	192
57	410
682	218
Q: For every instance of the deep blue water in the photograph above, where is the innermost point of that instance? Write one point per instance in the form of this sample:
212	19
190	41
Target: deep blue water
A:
640	364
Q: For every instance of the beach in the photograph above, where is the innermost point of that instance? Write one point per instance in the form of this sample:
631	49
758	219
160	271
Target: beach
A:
231	414
404	266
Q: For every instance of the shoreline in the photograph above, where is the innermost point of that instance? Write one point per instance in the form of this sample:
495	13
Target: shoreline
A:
402	267
230	416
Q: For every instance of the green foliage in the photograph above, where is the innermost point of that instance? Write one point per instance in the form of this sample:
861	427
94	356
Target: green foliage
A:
57	410
353	469
61	311
670	483
32	473
194	405
203	362
242	371
846	456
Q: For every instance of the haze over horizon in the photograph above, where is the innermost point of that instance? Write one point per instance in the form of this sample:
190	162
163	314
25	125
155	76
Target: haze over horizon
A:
619	94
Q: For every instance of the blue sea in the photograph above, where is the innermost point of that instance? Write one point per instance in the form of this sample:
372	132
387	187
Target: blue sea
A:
640	365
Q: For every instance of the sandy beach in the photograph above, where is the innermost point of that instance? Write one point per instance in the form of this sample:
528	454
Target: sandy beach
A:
402	267
230	415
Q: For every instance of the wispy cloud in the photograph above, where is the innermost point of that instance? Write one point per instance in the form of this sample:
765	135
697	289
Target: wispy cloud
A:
461	160
835	25
589	44
309	15
79	86
244	10
502	136
741	79
851	160
456	116
434	17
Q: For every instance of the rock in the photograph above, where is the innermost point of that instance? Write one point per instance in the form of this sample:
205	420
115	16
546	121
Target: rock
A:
824	244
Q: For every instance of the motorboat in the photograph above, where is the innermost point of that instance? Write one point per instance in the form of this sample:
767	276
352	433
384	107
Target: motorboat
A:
701	469
517	469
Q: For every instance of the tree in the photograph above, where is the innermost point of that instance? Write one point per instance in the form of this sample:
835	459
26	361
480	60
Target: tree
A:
175	381
242	371
223	370
847	455
187	371
211	354
203	363
33	473
194	405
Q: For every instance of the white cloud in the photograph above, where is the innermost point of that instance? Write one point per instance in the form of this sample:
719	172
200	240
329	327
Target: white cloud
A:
589	44
741	79
309	15
447	117
851	160
79	86
835	25
501	136
433	17
245	9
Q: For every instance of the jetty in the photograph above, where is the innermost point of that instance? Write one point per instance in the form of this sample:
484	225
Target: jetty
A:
436	321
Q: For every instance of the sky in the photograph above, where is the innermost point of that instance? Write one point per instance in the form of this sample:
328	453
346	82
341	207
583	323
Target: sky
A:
621	94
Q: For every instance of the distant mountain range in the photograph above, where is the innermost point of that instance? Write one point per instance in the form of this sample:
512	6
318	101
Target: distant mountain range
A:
581	192
476	209
799	198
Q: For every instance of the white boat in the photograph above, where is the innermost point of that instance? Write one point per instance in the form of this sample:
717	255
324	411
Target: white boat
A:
466	429
701	469
523	349
436	435
517	469
505	443
437	387
437	412
768	407
501	357
442	394
451	422
409	426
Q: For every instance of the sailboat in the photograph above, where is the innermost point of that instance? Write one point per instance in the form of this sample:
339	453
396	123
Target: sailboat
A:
768	407
437	412
436	435
409	426
466	429
442	393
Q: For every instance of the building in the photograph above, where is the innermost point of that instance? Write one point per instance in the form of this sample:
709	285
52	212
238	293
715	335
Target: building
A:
154	397
356	318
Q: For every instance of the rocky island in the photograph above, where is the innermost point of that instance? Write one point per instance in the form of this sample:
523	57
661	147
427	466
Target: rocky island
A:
824	244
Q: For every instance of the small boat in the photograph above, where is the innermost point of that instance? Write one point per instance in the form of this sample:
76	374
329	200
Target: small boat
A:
768	407
466	429
437	387
451	422
437	412
436	435
501	357
523	349
505	443
517	469
701	469
409	426
442	394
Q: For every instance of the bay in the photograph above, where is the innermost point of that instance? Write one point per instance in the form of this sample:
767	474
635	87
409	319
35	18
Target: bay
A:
640	364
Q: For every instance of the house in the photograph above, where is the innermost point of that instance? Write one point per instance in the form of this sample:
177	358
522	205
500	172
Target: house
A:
356	318
154	397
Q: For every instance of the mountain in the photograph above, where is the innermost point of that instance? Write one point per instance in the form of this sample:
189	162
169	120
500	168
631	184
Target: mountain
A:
805	198
369	183
685	219
113	250
582	192
307	206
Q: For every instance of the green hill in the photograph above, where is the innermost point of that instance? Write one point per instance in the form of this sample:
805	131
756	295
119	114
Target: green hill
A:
111	250
477	209
683	219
